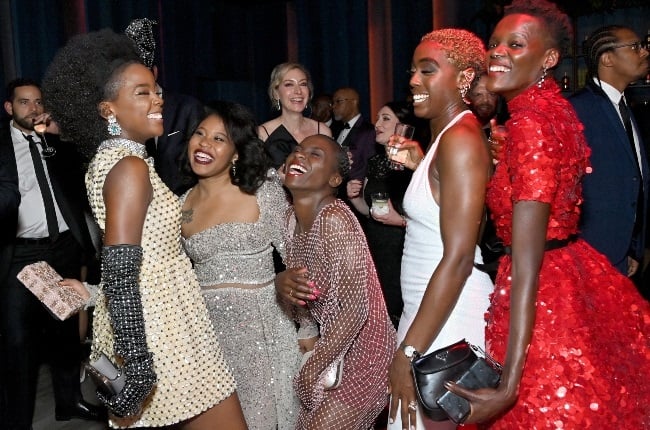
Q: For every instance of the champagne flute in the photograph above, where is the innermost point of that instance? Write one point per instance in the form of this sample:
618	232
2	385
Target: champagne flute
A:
48	151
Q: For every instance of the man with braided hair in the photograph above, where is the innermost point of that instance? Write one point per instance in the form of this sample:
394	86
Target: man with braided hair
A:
616	192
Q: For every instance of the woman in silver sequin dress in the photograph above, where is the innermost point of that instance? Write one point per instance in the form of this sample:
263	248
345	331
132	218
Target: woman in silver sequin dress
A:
150	317
232	219
324	236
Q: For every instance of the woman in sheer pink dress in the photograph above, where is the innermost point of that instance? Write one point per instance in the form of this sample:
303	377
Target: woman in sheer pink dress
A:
331	273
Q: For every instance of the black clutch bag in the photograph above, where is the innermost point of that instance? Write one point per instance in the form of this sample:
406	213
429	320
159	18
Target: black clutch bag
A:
458	363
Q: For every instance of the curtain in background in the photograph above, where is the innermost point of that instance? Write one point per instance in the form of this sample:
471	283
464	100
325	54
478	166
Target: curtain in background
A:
226	49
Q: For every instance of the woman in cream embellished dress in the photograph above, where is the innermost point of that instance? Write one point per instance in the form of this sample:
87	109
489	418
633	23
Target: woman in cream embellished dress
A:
150	318
232	220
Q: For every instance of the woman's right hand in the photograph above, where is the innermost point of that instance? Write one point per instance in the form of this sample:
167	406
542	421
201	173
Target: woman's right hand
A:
294	286
354	188
414	153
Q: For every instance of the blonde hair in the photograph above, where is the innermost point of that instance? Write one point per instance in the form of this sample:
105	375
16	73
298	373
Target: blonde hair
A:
278	74
464	49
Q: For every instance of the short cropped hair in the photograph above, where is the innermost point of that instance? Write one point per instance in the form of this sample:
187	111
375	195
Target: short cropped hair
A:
556	22
10	90
463	48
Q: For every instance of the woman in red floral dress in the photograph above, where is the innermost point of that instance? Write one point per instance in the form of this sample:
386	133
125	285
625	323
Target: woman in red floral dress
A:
572	332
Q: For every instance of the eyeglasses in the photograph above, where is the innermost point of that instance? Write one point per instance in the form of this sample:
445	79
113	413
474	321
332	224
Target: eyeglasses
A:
636	46
335	102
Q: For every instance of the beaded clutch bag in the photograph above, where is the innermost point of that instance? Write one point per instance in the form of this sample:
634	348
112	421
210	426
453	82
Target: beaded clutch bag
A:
42	280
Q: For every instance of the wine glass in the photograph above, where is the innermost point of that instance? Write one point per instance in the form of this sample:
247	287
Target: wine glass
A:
47	151
398	157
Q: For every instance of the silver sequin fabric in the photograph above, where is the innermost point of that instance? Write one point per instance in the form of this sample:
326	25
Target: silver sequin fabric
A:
257	335
241	252
192	373
354	323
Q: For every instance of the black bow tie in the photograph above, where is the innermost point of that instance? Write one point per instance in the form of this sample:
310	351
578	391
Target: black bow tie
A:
346	125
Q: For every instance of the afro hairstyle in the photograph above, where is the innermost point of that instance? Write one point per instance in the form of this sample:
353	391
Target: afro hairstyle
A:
83	74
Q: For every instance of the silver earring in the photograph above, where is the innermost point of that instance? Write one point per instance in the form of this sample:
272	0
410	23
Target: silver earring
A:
233	168
540	83
463	91
114	128
277	105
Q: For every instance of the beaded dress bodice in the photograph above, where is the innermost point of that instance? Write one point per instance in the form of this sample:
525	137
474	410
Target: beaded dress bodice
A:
241	252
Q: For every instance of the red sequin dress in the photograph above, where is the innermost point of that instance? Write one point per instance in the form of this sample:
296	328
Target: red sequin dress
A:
588	365
354	323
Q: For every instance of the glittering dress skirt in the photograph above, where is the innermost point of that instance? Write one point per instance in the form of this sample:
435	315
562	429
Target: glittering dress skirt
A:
257	335
192	373
354	324
588	365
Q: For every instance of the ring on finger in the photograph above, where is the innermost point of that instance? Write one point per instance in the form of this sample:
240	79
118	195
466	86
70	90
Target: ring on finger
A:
413	405
291	293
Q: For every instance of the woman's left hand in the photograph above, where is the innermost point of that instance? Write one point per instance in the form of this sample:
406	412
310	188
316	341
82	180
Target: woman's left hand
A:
76	285
402	388
391	218
485	403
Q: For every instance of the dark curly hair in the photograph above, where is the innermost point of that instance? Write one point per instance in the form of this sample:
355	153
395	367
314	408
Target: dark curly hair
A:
85	72
555	20
252	164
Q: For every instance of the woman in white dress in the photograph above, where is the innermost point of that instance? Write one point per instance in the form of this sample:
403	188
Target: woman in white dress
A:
445	298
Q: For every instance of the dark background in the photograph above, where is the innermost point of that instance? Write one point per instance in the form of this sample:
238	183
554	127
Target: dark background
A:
227	48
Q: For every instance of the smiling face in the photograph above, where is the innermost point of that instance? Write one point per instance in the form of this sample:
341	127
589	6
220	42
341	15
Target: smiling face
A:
517	54
385	125
293	91
25	106
435	82
210	150
137	105
313	165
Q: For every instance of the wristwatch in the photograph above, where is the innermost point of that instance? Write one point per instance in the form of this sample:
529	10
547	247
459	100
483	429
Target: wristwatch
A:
410	351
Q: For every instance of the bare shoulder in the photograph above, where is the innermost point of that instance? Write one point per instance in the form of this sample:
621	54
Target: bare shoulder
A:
266	129
316	127
129	176
464	138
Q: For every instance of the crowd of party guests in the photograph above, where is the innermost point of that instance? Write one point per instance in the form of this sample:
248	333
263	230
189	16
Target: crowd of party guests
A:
212	331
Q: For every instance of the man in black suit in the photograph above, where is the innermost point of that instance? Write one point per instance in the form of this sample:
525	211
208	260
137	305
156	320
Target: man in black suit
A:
50	226
181	113
616	192
356	134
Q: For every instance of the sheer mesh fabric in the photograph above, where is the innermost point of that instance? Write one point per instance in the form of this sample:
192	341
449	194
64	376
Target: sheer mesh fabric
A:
354	324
